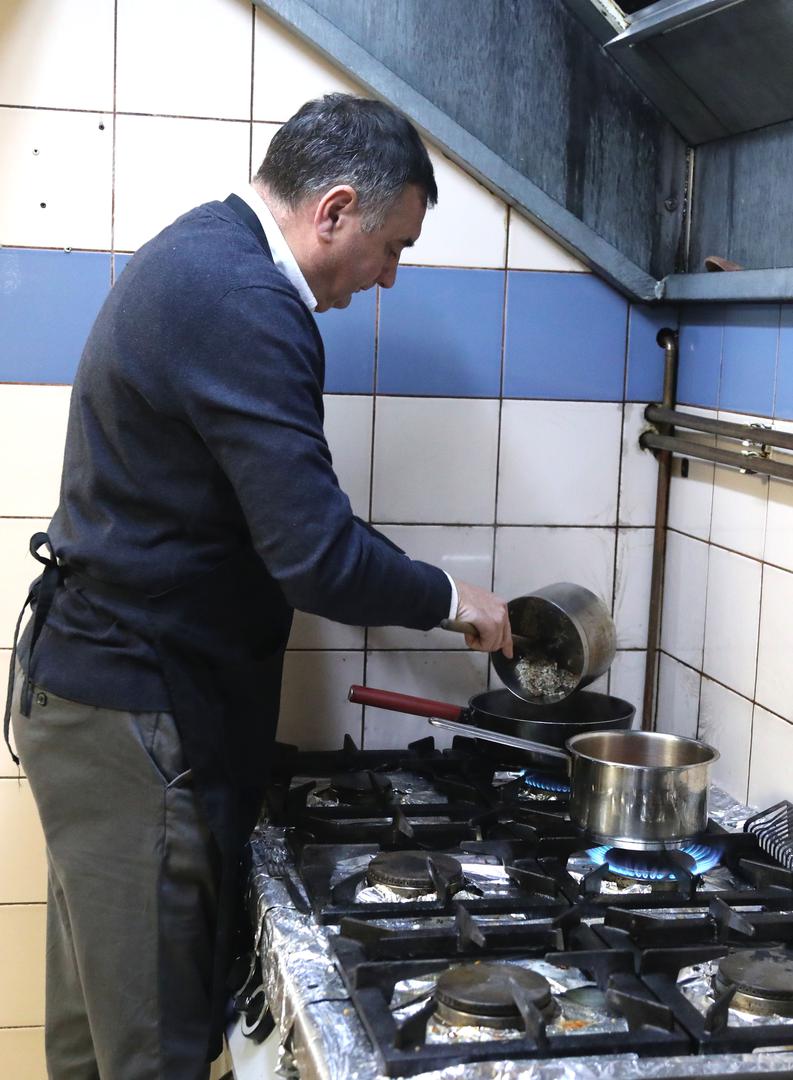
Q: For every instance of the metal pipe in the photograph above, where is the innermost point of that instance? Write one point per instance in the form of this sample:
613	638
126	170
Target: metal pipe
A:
744	460
667	339
657	414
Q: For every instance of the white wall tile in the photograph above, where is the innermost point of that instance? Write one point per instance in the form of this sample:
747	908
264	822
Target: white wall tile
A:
22	971
685	582
29	487
57	54
22	1050
165	167
7	766
691	496
348	429
315	712
639	471
442	676
559	463
443	242
23	861
77	198
627	679
531	249
288	72
261	137
779	519
677	709
465	552
184	58
17	570
774	667
770	776
739	502
632	592
529	558
725	722
425	469
313	632
732	619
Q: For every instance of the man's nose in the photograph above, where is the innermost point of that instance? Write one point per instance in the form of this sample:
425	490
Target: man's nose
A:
388	276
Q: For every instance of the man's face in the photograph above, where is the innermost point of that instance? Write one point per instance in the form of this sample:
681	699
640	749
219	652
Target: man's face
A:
358	260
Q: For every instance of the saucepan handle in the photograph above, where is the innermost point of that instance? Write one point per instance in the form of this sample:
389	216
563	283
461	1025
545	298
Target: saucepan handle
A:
416	706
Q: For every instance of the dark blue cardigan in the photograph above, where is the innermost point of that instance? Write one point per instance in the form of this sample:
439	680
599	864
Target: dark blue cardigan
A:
195	423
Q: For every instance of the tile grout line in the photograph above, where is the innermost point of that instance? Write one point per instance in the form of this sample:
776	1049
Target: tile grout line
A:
113	150
629	311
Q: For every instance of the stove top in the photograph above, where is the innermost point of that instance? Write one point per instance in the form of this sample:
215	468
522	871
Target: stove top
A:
471	922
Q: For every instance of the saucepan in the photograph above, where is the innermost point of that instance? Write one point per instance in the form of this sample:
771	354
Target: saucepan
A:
563	638
641	790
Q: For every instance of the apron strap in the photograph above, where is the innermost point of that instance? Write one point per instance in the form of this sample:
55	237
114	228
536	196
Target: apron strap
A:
40	597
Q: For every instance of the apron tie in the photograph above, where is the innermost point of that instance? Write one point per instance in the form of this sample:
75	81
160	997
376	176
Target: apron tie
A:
40	597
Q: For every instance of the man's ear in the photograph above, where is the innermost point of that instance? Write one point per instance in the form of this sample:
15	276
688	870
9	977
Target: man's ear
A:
334	210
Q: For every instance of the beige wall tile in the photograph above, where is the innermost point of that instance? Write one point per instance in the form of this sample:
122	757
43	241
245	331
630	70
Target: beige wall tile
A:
17	570
22	1053
165	167
315	712
260	143
23	862
770	778
7	767
40	152
532	249
288	73
29	487
22	928
468	227
57	53
184	58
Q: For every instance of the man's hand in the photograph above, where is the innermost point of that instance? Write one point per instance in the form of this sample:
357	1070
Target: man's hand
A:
488	613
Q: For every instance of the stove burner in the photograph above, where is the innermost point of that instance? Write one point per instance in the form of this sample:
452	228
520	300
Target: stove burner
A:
547	783
357	787
656	866
484	995
763	979
408	872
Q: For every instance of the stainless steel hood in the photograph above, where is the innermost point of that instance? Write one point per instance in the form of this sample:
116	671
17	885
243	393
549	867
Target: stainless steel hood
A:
714	68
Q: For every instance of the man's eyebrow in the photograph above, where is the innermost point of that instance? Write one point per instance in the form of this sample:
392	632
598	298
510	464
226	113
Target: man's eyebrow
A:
407	243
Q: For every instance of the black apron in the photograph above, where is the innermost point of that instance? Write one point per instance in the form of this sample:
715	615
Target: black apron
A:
220	641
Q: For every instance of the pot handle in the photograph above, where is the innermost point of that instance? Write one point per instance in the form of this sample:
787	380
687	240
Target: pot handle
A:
387	699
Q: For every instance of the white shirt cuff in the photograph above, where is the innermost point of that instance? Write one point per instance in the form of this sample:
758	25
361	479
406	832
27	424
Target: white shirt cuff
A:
455	597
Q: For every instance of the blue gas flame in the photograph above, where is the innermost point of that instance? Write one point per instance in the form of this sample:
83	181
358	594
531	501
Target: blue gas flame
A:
646	867
541	781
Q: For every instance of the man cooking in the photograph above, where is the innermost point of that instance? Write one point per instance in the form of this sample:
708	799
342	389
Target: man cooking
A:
198	508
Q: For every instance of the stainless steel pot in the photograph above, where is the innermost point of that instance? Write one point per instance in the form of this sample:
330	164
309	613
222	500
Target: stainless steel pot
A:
639	789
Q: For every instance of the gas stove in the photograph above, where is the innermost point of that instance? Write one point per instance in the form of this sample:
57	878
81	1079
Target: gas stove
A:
464	922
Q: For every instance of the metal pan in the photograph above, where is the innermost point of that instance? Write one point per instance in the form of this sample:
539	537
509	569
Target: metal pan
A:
501	717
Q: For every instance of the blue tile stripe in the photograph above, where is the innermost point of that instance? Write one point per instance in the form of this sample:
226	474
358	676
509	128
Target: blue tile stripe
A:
565	338
48	302
440	334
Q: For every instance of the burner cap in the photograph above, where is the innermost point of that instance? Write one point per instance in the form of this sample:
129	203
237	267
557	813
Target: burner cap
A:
359	786
408	872
763	979
484	994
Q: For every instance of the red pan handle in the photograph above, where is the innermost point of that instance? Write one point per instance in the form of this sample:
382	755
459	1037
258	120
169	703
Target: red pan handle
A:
417	706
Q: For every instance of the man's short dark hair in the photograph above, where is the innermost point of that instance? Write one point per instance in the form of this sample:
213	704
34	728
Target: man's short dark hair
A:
341	139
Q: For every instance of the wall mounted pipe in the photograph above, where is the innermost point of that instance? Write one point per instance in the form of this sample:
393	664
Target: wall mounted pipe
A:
747	460
667	339
658	414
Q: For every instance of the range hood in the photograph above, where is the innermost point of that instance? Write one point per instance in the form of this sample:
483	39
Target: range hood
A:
714	68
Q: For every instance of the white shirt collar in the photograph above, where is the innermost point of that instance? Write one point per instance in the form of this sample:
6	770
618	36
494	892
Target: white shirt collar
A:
279	249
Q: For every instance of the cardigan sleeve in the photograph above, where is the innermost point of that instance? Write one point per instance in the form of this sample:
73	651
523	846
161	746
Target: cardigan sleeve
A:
252	391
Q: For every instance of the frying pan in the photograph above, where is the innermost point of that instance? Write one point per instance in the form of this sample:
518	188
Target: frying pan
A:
501	717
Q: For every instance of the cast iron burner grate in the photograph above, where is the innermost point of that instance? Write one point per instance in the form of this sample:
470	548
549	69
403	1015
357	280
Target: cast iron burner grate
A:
493	995
762	979
415	873
360	787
